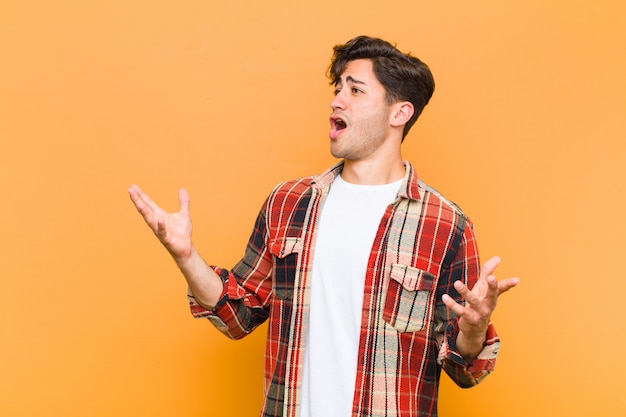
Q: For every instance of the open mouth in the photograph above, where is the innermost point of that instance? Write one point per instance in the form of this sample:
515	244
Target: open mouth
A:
337	125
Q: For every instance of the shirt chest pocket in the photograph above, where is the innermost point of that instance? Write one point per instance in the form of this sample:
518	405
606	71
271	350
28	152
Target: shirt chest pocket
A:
285	251
408	303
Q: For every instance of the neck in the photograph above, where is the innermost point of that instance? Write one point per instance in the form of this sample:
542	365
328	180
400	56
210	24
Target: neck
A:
373	172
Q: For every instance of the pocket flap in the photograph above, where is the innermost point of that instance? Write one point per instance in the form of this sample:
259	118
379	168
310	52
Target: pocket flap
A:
282	247
412	279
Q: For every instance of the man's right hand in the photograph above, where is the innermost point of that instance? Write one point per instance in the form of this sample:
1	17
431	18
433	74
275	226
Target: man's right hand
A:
172	229
174	232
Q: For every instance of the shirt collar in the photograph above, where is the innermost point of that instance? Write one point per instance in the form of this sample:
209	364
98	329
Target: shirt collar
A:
408	189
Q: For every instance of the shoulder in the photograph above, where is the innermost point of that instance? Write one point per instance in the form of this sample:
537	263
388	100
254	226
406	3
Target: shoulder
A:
446	209
289	195
293	187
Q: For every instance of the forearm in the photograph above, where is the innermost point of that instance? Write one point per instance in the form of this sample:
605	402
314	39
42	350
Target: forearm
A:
204	283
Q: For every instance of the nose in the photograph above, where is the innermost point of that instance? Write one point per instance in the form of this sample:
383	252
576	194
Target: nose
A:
338	103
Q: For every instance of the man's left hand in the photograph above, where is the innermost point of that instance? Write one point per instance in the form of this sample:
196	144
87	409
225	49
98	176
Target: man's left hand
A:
480	302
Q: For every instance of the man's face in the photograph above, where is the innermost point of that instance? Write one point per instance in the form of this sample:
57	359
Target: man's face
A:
360	118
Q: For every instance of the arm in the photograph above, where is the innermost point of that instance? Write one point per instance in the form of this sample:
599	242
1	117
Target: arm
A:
247	288
470	343
174	231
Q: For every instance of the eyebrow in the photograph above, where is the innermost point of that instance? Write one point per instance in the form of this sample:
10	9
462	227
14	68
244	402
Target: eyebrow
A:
354	80
351	79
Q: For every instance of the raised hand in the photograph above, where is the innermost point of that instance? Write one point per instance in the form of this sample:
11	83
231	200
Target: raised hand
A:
480	302
172	229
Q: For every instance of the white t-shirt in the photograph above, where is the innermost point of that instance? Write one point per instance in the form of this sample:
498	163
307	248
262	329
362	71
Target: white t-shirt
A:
346	231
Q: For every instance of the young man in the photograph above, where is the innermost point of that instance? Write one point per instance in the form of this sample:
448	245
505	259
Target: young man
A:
363	271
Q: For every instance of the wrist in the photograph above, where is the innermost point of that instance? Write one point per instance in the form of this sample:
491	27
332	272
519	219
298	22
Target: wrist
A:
186	259
470	346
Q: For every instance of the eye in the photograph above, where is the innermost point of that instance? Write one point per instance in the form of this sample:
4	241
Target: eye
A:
336	91
356	90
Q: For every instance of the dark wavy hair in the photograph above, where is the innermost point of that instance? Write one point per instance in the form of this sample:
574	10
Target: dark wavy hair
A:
404	77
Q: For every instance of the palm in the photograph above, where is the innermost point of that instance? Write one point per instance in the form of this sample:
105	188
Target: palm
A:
481	300
477	312
172	229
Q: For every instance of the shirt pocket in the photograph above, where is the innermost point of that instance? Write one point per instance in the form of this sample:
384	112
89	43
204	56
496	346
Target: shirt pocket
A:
407	303
286	254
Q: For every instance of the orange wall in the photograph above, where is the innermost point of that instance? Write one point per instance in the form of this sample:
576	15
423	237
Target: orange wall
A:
526	132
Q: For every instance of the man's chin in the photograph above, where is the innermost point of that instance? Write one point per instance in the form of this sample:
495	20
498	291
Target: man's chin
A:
336	152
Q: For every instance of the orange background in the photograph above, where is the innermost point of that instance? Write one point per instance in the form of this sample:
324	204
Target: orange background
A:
525	131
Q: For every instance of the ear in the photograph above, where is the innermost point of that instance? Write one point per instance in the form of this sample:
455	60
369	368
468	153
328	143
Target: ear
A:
401	113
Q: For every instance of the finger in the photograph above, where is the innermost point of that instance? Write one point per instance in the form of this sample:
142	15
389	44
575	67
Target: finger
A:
507	284
461	288
135	195
149	214
161	230
452	305
489	267
145	198
492	283
133	192
491	295
183	199
466	293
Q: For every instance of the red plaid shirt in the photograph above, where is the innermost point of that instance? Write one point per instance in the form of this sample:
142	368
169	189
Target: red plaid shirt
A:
424	243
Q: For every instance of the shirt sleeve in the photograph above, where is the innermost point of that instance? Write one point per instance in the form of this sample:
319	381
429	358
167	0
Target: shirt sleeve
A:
465	267
244	302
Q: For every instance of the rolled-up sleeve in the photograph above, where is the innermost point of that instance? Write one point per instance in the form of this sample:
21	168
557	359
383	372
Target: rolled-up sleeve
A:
243	303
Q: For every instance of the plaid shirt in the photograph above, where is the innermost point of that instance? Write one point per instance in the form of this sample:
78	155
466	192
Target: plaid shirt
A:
424	243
